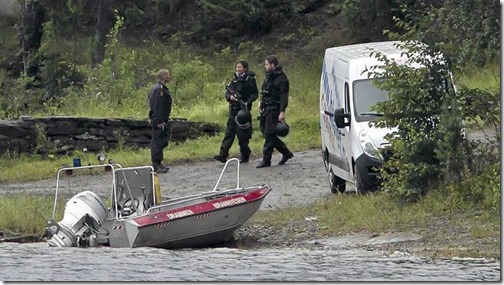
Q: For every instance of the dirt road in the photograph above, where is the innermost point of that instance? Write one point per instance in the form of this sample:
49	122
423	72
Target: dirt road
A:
301	181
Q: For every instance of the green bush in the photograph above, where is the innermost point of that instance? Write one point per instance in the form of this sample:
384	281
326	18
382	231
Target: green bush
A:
429	147
479	191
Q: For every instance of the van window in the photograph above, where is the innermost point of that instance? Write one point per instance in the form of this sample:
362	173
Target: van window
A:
365	95
347	98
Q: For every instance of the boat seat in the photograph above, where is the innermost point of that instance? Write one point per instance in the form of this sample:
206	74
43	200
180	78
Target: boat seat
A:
134	191
139	204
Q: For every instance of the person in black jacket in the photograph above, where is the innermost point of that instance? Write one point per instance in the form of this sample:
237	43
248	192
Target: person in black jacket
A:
240	93
274	101
160	102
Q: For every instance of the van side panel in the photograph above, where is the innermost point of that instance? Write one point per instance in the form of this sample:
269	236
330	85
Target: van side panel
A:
332	97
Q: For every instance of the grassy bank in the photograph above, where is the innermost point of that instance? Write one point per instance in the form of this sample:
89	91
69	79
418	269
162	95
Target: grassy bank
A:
448	228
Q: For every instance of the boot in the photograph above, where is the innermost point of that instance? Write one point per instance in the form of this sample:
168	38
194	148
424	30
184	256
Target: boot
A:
263	163
244	159
285	157
220	158
159	168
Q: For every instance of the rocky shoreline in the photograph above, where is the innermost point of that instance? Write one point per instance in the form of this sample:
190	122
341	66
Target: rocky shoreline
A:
437	243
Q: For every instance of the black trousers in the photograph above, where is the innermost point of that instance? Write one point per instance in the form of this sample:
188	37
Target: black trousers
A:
158	142
271	141
232	131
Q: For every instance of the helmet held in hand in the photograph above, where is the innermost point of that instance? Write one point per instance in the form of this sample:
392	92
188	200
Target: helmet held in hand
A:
243	119
282	129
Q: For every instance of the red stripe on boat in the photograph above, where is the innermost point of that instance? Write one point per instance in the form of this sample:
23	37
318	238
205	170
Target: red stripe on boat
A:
202	207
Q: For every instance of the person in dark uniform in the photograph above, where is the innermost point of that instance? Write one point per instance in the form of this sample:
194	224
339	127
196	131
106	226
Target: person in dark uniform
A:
274	101
244	88
160	102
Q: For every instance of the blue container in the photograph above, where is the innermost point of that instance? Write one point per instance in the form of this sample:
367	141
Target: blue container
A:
76	162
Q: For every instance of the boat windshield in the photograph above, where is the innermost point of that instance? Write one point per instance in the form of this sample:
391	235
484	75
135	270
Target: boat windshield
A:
365	95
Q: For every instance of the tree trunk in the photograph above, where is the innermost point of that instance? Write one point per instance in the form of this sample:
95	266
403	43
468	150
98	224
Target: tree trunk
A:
30	34
100	33
174	6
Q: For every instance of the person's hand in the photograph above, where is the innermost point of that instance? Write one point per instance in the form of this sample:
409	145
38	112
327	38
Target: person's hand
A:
281	116
161	126
233	98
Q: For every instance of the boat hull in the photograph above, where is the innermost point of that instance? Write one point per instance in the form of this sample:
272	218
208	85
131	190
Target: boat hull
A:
138	216
197	225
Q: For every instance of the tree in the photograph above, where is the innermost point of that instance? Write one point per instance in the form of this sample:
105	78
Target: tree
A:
425	104
101	28
467	31
30	32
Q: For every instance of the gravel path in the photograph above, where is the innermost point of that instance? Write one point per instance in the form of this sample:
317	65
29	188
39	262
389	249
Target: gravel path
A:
301	181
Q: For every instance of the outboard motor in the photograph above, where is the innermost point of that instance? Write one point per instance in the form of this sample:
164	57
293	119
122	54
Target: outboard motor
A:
83	216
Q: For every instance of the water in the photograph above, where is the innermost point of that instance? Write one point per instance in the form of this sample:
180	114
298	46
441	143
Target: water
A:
38	262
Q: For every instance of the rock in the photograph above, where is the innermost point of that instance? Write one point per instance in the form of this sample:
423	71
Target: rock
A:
66	134
14	237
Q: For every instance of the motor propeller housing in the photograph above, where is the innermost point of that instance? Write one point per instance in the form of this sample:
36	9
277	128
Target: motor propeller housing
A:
83	216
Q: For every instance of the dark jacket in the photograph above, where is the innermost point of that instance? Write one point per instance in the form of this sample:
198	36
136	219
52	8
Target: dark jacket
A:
160	102
246	86
275	90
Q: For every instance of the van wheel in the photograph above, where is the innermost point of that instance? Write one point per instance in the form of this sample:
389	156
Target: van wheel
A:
326	160
336	184
359	186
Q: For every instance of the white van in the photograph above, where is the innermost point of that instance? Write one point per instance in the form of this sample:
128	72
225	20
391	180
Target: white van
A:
353	152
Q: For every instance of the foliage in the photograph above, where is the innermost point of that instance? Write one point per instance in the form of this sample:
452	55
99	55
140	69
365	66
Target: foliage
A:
16	99
113	81
365	15
429	146
59	68
467	31
483	104
424	113
442	218
238	17
481	191
231	22
33	209
43	145
192	78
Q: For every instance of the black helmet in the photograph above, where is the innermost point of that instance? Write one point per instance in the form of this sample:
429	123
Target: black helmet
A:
243	119
282	129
